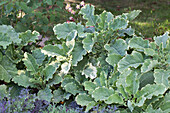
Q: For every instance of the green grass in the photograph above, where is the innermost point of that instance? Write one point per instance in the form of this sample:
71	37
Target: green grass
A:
154	19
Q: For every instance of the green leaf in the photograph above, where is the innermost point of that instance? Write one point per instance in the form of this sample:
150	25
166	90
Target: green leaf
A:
83	99
151	110
52	50
3	91
48	72
162	39
49	2
161	77
88	13
148	65
133	60
63	30
88	43
39	56
14	54
55	80
90	71
8	70
58	95
28	36
114	98
149	51
90	106
151	90
65	67
118	23
69	80
77	54
1	56
118	47
70	41
167	49
102	93
138	43
45	94
72	88
104	20
23	80
121	84
166	103
146	78
8	35
132	82
30	63
90	86
133	14
4	40
113	59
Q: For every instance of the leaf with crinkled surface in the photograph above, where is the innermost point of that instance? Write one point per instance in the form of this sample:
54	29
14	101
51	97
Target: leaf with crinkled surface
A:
28	36
8	35
70	41
161	77
72	88
30	63
113	59
133	60
39	56
149	51
90	86
8	70
148	65
146	78
83	99
52	50
138	43
133	14
55	80
77	53
3	91
90	71
45	94
132	82
105	18
102	93
90	106
47	72
88	13
88	43
118	47
23	80
114	98
63	30
58	95
162	39
118	23
121	84
150	109
4	40
166	103
151	90
65	67
1	56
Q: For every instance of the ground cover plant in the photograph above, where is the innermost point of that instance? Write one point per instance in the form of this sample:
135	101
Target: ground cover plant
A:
101	64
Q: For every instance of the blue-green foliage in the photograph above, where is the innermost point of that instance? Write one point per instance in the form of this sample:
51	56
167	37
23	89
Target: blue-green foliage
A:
100	63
